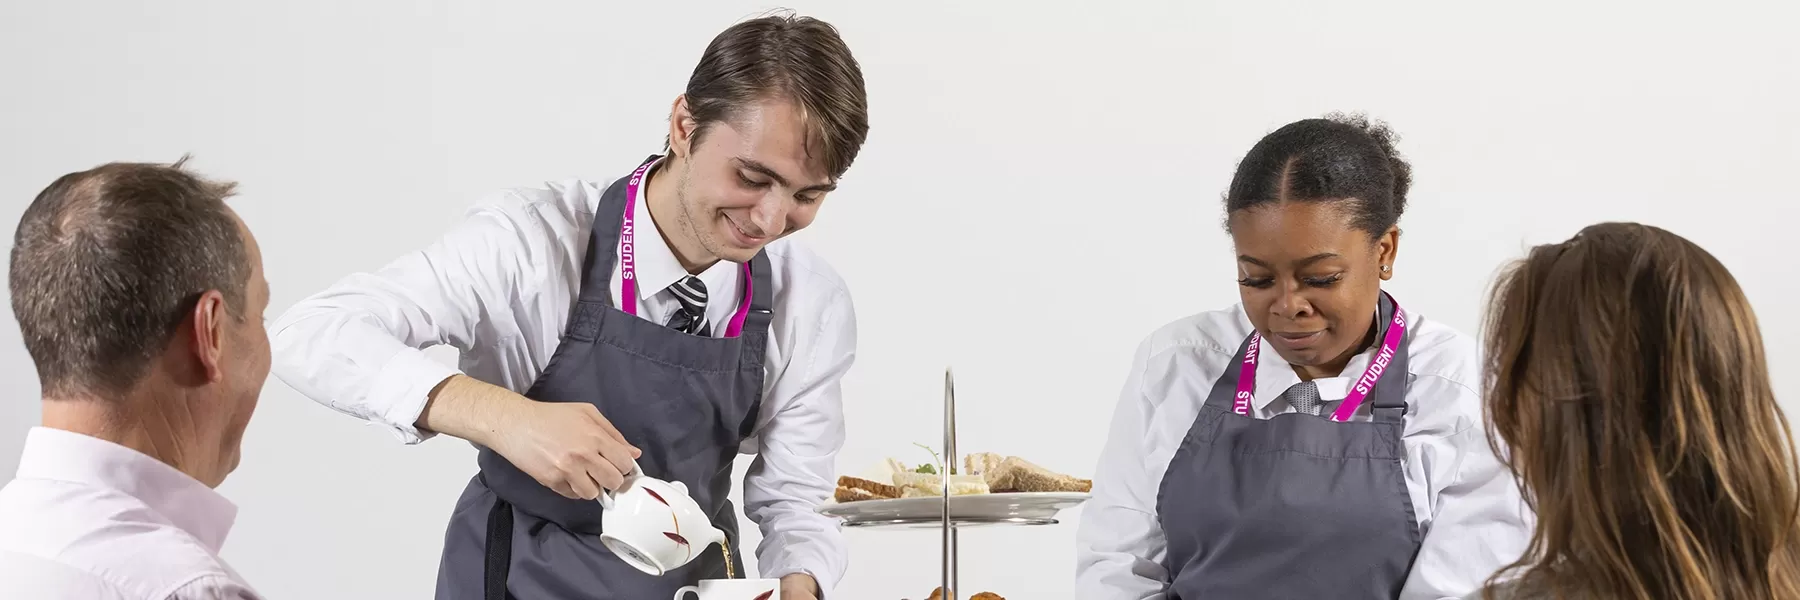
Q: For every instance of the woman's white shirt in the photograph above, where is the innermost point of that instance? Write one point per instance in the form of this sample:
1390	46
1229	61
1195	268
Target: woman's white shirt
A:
1469	509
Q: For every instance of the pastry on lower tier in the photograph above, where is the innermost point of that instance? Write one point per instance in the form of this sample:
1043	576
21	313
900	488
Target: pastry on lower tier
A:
938	594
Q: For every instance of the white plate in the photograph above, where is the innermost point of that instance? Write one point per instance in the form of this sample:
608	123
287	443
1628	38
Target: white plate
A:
1039	508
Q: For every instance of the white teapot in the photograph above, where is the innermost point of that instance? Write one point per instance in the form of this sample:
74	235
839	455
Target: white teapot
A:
654	525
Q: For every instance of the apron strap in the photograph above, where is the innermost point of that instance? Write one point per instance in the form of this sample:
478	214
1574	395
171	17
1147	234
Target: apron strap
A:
499	550
603	243
1389	397
1224	389
762	295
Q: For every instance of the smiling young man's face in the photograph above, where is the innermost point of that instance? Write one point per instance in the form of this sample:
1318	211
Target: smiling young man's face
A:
1310	280
746	183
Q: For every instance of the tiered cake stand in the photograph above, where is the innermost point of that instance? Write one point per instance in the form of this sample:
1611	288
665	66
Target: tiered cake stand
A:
944	520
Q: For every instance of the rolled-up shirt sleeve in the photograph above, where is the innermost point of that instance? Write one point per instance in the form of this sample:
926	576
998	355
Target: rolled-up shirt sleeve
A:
358	346
795	467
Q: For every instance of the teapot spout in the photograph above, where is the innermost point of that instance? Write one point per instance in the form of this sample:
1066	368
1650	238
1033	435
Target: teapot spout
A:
712	535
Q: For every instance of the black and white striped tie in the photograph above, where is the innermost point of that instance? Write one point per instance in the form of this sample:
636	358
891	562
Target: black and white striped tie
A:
691	317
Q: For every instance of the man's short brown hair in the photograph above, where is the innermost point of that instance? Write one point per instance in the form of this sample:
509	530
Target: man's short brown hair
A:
799	59
107	263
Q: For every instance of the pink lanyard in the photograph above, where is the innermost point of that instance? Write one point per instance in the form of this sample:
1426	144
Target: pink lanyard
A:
628	266
1390	345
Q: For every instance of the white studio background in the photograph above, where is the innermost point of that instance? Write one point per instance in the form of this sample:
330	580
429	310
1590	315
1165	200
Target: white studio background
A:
1039	191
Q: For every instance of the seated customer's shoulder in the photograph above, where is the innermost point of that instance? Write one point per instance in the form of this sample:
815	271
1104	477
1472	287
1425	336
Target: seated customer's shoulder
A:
108	537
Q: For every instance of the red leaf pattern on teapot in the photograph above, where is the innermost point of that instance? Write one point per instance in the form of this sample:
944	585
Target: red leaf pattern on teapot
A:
657	496
677	537
765	595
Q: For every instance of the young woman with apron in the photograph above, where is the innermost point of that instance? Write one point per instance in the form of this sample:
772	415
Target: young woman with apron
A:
1317	440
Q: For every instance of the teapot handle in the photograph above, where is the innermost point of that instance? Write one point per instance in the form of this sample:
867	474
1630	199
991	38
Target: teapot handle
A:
684	591
606	496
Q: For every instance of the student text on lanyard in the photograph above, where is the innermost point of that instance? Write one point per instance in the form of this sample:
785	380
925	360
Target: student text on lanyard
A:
628	264
1390	344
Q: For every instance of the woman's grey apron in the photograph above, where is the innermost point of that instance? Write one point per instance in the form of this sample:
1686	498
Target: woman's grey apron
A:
1295	506
686	401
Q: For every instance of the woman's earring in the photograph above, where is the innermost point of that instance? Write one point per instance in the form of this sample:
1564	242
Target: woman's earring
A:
1385	268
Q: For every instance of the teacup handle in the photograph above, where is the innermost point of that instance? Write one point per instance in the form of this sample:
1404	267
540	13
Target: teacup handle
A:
684	591
606	496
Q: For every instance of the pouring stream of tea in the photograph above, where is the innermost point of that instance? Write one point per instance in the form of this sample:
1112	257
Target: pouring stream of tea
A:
725	544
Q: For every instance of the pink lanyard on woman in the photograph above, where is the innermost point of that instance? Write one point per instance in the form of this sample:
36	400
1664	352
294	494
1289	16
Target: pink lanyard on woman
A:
628	266
1390	344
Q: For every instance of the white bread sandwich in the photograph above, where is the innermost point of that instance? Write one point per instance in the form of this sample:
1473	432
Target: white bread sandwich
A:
981	473
917	485
982	463
927	480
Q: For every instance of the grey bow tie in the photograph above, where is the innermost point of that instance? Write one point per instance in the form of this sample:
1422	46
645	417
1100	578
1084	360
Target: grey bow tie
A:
1304	397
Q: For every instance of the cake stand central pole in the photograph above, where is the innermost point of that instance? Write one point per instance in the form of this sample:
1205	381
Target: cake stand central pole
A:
949	527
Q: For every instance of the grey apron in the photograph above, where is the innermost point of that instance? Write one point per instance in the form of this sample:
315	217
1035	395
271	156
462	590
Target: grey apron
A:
1296	506
686	401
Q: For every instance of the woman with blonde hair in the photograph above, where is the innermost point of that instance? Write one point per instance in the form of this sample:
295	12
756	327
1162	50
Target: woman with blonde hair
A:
1627	380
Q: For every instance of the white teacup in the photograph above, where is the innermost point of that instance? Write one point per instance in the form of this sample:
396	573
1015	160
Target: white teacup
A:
733	589
654	525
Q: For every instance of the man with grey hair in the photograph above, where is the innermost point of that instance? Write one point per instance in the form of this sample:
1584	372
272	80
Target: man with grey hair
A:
139	295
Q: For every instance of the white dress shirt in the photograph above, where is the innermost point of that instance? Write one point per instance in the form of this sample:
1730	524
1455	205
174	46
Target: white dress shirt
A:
1469	510
92	520
500	286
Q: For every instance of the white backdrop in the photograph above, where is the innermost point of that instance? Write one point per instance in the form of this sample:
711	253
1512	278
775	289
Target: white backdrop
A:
1040	189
